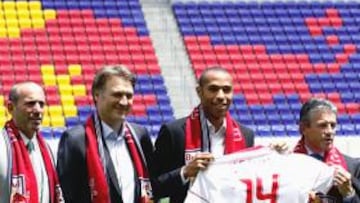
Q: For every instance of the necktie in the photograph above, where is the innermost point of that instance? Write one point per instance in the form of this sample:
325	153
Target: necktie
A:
317	156
30	146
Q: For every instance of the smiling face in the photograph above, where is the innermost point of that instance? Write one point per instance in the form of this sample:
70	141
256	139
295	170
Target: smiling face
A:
319	132
27	111
115	100
215	93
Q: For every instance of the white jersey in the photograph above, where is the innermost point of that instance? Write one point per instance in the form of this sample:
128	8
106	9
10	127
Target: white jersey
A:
260	175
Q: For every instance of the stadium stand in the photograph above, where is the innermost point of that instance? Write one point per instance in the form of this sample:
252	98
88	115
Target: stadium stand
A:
280	54
61	44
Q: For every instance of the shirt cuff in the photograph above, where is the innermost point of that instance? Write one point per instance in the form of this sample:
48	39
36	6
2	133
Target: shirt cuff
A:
183	179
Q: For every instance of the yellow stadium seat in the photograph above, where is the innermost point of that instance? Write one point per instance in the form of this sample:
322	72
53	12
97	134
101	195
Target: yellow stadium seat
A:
13	32
38	23
2	121
67	100
34	5
23	15
25	23
12	23
63	79
8	5
2	100
2	112
21	5
79	90
46	121
74	69
10	14
70	111
2	23
36	14
46	110
49	80
49	14
47	70
3	32
65	90
55	110
57	121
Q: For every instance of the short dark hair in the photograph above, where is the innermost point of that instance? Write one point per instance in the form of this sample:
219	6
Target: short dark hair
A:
202	78
315	104
108	71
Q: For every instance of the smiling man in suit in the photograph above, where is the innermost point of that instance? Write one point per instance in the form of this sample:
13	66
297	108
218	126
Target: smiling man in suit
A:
106	159
188	145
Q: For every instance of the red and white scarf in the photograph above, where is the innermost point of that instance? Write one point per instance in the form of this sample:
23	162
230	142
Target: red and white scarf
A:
234	140
97	180
332	157
24	186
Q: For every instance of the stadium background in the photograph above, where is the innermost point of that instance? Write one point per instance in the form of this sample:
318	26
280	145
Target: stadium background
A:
280	53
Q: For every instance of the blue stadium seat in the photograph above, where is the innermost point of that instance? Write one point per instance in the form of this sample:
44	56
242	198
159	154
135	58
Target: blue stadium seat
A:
278	130
46	132
263	130
72	121
57	132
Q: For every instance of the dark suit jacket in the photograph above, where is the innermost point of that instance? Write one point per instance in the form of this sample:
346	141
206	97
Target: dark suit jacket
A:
354	168
169	158
72	168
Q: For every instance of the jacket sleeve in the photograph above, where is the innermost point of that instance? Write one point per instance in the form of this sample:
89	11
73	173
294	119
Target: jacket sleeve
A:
71	166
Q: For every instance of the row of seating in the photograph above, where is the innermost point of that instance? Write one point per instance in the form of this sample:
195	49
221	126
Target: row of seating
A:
280	54
61	45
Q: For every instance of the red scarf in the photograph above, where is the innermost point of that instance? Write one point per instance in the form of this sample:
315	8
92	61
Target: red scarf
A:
331	157
24	185
97	180
234	140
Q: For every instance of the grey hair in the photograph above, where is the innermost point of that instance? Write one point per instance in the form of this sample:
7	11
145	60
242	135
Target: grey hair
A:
108	71
315	104
14	93
202	78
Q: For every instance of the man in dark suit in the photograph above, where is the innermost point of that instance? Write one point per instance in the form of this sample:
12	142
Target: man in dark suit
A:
188	145
317	128
106	160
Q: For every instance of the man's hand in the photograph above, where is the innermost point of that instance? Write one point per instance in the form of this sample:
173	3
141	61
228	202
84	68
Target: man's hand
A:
313	198
280	147
200	162
342	180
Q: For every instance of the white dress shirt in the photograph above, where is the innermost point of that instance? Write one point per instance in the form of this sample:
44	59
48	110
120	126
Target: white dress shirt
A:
121	160
217	139
39	169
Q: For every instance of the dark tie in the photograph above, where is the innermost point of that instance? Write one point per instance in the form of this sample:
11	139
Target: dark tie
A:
317	156
30	146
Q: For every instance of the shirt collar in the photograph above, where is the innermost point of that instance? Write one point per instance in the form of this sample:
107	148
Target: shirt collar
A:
27	140
310	152
221	130
108	132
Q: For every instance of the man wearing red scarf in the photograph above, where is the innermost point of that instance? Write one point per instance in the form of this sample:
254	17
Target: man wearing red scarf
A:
187	145
29	174
317	128
106	159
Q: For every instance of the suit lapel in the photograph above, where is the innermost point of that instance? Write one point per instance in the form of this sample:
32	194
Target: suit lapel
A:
111	174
